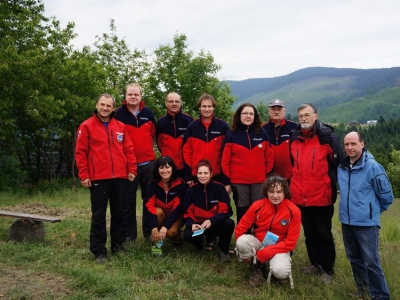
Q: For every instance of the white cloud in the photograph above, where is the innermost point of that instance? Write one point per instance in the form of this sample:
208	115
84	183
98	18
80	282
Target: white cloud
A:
255	38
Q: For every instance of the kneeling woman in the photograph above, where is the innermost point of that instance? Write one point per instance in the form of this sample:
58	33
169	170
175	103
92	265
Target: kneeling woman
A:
281	219
163	201
207	206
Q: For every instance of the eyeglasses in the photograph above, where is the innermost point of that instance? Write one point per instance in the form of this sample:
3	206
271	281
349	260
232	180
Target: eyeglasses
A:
247	114
305	116
173	101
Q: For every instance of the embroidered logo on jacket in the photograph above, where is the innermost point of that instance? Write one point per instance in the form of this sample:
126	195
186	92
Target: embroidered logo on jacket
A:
120	138
284	222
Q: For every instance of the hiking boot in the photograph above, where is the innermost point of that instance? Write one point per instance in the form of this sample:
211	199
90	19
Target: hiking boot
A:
225	257
310	270
359	295
257	277
325	278
101	259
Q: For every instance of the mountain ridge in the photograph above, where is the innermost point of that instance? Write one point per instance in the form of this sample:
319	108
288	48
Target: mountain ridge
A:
327	88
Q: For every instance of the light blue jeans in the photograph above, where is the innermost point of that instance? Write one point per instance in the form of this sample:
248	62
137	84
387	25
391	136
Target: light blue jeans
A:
362	249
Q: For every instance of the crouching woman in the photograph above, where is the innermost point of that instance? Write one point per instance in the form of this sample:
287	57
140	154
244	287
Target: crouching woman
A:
207	206
276	223
163	201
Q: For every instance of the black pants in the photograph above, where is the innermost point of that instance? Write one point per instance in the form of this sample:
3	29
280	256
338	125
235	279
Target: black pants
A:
101	192
145	174
224	231
317	226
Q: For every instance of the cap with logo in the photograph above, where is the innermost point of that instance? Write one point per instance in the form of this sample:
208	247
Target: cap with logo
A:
277	102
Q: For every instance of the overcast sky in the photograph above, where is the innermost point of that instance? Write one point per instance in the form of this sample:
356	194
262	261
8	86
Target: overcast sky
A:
249	38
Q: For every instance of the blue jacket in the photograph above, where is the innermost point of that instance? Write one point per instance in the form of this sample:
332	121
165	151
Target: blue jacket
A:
365	191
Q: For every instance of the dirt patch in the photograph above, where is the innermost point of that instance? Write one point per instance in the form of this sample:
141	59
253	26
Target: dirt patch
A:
18	283
36	208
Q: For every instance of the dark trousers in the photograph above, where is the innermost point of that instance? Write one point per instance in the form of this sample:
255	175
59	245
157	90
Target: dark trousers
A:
224	231
145	174
317	226
101	192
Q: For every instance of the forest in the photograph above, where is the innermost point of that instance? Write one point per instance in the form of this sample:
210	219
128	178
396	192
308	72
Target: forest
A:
48	88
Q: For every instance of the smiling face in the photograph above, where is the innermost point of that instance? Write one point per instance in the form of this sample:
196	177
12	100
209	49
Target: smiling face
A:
165	172
105	107
276	194
247	116
204	174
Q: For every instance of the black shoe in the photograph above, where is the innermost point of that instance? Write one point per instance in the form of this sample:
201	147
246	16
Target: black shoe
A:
101	259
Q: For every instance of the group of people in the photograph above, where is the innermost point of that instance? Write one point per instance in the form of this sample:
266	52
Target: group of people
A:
281	175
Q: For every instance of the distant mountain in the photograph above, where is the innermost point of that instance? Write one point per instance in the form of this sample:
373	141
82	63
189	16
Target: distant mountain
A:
340	95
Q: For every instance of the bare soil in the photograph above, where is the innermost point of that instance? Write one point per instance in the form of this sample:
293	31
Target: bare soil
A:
25	284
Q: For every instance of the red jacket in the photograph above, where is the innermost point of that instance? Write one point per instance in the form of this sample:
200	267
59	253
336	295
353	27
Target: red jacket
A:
169	201
247	157
141	130
279	139
169	136
104	153
283	219
206	202
315	159
200	143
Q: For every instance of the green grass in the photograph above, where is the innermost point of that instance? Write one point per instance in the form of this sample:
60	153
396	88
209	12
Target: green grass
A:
61	267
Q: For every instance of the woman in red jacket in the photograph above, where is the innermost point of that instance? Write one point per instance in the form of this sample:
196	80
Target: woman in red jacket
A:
163	201
247	158
207	207
281	219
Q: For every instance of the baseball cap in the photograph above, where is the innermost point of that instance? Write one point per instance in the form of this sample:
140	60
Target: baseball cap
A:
277	102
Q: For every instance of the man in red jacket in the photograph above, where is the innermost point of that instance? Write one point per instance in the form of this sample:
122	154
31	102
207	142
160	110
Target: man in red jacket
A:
141	126
316	153
279	129
105	160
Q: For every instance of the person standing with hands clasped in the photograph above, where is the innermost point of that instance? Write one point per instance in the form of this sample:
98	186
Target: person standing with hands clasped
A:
105	160
207	206
365	193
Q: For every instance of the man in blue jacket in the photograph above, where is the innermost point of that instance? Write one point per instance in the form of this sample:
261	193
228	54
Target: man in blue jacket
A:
365	192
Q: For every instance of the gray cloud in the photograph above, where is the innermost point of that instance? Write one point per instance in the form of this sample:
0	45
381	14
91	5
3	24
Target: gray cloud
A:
250	39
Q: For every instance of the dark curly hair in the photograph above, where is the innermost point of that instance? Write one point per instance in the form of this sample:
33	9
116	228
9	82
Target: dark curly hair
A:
236	118
272	181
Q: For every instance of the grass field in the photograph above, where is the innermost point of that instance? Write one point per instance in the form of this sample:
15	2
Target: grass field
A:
61	267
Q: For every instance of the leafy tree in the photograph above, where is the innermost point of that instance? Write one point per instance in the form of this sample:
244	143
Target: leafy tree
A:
263	111
174	68
393	171
121	65
45	88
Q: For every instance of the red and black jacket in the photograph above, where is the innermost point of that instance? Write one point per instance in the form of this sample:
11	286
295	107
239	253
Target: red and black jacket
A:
283	219
206	202
170	131
279	137
315	160
104	152
169	201
199	143
141	130
247	156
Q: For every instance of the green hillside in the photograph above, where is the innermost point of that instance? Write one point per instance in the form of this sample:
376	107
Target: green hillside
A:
341	95
385	103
